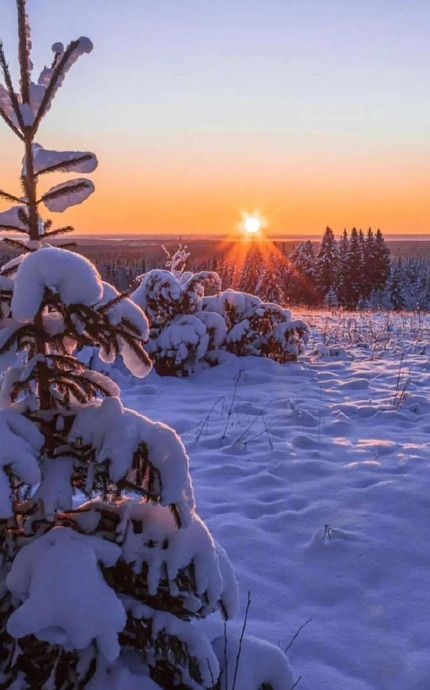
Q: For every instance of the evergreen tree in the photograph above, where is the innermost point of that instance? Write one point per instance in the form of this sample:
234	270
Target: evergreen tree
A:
396	286
382	262
80	583
302	288
327	263
342	275
368	264
273	278
363	287
354	266
251	269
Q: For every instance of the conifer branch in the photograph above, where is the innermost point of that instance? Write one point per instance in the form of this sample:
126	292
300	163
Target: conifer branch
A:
23	217
65	166
10	124
53	83
11	91
24	185
13	228
58	231
10	197
64	191
28	332
115	300
16	244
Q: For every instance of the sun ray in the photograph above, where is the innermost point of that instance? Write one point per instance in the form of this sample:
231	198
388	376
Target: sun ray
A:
247	238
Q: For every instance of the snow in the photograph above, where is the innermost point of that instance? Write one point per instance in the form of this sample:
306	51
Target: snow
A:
29	111
6	103
125	311
198	645
118	677
155	287
10	219
167	549
37	91
71	276
44	158
13	263
185	336
65	561
55	489
259	662
116	432
189	331
83	189
20	444
330	441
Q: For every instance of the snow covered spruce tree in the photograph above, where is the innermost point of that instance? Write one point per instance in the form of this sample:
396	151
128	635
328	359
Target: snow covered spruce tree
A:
190	329
89	590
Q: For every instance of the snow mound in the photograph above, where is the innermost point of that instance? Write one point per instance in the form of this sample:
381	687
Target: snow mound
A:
259	663
57	578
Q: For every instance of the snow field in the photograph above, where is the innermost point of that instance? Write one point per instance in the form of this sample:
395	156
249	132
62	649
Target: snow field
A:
314	477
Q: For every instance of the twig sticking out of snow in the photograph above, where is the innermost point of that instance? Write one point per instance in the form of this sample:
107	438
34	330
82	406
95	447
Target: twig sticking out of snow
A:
239	651
295	636
233	400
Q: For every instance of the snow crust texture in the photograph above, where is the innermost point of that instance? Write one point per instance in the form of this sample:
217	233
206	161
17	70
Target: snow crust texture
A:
314	478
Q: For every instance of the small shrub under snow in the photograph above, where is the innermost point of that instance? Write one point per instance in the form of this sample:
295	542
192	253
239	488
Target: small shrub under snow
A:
188	328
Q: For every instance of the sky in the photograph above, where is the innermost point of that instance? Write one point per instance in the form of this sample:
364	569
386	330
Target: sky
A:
311	112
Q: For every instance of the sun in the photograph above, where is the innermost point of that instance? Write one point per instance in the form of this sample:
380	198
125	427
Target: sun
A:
252	224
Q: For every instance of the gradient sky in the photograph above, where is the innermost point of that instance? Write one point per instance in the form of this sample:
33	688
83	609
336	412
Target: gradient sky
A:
314	112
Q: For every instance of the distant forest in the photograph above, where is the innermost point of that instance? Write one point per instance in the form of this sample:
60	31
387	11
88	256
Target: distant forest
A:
356	271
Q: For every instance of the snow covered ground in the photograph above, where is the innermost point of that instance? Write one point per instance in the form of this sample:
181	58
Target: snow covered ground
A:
315	478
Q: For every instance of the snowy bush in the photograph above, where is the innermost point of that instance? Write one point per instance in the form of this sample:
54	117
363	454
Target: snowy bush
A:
104	563
188	327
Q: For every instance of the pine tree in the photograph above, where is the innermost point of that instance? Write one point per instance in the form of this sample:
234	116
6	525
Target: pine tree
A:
382	262
302	288
368	264
80	583
342	275
354	268
396	286
327	263
251	269
362	285
272	282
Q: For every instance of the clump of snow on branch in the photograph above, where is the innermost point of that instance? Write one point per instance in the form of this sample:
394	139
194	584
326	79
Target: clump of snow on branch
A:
56	578
66	194
115	433
20	445
46	161
55	269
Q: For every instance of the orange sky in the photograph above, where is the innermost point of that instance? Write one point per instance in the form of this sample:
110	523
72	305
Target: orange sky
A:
198	112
